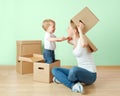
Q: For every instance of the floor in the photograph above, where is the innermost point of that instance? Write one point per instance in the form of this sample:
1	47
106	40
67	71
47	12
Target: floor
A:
13	84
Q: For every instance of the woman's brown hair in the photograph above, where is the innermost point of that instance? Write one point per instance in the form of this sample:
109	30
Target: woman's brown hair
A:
73	25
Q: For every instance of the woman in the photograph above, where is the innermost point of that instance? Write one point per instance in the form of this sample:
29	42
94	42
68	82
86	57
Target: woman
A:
85	72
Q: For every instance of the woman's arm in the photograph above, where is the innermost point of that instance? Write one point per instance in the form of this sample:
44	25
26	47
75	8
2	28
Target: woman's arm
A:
83	39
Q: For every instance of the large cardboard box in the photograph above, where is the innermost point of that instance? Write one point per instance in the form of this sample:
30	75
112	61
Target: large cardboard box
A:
42	71
28	47
87	17
25	51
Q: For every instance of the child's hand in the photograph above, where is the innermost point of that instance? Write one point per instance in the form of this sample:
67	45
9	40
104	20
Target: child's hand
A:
63	38
69	38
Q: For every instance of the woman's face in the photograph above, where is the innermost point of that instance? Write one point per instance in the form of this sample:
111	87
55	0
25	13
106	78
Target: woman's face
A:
70	31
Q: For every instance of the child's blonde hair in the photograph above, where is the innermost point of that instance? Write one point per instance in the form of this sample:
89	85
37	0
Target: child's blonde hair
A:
46	23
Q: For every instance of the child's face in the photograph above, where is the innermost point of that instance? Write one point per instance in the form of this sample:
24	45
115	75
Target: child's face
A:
51	28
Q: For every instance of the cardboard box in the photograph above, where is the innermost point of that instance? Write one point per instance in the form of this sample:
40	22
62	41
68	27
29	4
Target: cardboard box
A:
42	71
28	47
25	63
91	46
87	17
23	67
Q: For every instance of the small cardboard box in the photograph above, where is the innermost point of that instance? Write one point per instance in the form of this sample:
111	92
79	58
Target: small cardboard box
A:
24	67
42	71
87	17
25	63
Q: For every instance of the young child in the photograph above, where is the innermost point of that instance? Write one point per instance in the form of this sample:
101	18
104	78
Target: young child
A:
49	40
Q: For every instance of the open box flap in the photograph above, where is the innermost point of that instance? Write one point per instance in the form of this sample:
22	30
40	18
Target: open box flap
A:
33	58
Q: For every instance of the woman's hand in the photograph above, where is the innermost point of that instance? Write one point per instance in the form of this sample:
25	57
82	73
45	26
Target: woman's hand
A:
80	26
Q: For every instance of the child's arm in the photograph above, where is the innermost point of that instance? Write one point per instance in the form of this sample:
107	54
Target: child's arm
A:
57	39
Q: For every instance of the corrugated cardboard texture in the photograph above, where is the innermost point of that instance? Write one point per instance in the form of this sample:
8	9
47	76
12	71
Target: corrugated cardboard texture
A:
87	17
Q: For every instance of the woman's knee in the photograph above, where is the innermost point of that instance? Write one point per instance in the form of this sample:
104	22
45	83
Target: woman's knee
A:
73	74
54	70
73	70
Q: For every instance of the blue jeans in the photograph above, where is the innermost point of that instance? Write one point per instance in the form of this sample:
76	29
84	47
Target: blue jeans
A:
71	76
49	56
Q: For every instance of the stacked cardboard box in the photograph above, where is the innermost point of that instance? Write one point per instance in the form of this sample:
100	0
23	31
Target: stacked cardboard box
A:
27	49
30	60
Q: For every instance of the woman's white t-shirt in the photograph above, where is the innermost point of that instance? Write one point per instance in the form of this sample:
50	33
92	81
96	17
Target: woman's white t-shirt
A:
84	58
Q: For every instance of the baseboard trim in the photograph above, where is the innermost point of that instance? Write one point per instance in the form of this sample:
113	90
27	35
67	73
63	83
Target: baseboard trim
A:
7	67
100	67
